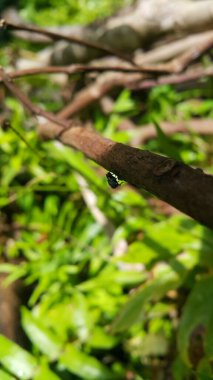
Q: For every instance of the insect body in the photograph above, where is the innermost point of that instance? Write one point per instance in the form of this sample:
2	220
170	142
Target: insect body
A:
112	180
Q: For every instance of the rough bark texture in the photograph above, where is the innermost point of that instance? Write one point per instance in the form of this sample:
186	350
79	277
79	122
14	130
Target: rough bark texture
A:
188	189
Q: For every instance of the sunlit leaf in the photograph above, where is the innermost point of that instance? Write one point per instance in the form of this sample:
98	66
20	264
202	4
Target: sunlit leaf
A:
85	366
42	337
5	376
44	373
204	369
101	339
166	143
167	277
124	278
16	360
197	312
80	317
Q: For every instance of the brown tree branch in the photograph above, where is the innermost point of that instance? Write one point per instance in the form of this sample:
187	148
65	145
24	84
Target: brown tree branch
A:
26	102
148	132
170	50
102	85
144	23
190	75
77	68
125	77
59	36
187	189
106	82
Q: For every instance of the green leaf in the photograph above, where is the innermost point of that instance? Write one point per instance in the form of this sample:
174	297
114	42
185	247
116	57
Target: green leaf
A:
80	318
78	163
167	277
44	373
133	310
85	366
180	370
204	370
16	360
152	345
166	143
124	102
161	241
198	311
100	339
123	278
139	252
5	376
41	336
129	198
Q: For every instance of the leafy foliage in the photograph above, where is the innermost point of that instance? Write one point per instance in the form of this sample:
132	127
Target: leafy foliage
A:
113	300
69	261
52	12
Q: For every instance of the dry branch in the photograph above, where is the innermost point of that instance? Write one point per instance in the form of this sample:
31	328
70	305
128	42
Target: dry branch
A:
169	50
148	132
148	21
187	189
107	81
191	75
26	102
59	36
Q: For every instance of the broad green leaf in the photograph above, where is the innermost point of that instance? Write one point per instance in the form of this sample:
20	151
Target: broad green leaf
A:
133	310
161	241
149	345
100	339
168	237
167	277
51	205
40	335
16	360
139	252
124	102
5	376
198	311
85	366
204	377
180	370
80	316
129	198
166	143
124	278
204	369
44	373
78	163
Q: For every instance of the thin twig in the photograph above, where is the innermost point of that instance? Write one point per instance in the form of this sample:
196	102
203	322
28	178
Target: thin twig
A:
60	36
17	93
76	68
190	75
181	62
6	124
194	126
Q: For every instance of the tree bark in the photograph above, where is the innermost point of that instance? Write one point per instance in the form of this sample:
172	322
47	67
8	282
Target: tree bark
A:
189	190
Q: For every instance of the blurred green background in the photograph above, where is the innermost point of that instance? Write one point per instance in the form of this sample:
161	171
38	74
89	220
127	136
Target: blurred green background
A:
129	297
